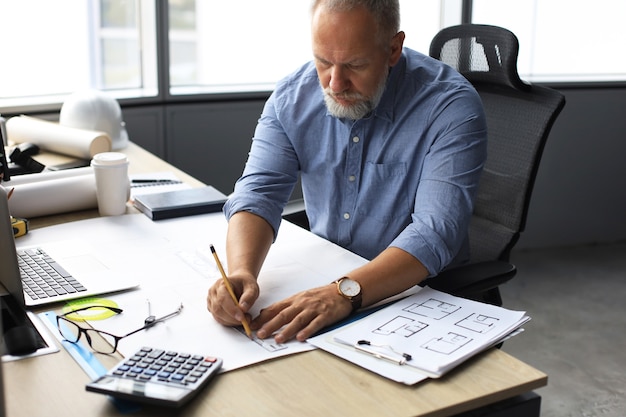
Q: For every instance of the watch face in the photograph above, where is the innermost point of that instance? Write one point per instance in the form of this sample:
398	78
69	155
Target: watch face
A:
349	287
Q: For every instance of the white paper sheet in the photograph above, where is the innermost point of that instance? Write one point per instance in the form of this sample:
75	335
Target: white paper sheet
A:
176	266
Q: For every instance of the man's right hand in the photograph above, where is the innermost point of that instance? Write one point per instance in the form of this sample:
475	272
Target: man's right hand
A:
221	305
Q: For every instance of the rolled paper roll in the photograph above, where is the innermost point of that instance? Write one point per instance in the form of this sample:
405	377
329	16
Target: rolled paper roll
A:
53	137
55	195
47	176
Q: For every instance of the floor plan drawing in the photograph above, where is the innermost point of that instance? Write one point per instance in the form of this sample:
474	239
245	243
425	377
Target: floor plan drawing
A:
402	326
431	330
479	323
447	344
433	308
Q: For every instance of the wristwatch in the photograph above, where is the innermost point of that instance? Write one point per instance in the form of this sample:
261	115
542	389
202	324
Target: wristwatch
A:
351	291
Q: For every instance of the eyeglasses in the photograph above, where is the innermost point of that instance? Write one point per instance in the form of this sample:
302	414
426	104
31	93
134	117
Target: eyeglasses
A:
100	341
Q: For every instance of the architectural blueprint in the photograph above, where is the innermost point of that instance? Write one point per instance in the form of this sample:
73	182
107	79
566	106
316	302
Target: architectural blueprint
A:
430	330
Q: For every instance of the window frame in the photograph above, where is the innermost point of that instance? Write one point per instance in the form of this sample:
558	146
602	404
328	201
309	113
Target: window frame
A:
157	90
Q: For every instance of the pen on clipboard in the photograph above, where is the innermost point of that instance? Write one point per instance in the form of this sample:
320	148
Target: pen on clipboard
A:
365	346
155	181
229	287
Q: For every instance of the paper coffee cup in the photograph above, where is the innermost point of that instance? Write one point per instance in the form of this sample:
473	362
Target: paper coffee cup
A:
112	183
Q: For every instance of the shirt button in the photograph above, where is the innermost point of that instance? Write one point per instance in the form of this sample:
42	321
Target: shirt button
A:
351	178
346	216
356	139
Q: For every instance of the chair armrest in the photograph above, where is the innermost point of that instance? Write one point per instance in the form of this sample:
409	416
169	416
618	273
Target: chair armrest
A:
469	280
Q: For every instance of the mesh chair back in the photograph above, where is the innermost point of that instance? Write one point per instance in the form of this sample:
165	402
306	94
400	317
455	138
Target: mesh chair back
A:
519	119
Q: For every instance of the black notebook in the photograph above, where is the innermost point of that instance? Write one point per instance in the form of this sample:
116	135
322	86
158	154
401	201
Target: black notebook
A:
180	203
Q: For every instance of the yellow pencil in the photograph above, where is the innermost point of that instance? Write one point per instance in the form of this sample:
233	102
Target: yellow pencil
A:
229	287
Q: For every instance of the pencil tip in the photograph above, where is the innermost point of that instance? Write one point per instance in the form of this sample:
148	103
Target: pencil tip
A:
212	248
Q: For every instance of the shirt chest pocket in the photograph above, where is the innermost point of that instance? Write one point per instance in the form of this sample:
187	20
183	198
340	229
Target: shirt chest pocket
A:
384	192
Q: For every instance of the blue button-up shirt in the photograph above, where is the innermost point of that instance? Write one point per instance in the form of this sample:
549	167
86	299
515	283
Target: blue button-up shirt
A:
404	176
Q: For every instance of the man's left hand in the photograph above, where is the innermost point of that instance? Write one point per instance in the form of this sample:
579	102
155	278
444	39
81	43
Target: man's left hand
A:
302	314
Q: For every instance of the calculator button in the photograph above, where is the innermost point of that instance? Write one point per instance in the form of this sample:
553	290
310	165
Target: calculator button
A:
156	353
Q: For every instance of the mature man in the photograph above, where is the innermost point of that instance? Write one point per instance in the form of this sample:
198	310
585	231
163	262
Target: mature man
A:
389	150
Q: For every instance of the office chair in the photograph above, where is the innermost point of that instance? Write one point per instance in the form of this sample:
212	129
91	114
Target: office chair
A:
519	119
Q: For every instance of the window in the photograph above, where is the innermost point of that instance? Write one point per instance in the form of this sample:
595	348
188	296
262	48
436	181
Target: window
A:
227	50
563	40
42	54
216	48
111	45
117	48
55	47
421	20
184	47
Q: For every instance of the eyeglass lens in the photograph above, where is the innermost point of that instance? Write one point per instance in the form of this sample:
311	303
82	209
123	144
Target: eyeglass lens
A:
99	341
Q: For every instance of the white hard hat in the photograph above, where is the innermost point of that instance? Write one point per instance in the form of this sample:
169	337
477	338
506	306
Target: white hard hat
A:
94	110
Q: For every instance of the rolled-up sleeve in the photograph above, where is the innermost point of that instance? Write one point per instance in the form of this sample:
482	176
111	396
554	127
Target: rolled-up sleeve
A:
449	180
270	172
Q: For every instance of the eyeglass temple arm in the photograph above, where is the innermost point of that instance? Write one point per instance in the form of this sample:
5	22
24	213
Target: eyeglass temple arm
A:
172	314
160	319
113	309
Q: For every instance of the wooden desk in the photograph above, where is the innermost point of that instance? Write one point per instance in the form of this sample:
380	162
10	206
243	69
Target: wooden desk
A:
313	383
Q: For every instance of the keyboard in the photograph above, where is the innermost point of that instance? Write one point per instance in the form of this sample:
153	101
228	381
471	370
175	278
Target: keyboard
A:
42	277
157	376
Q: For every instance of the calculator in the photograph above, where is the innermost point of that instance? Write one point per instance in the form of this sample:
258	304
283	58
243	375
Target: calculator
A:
157	376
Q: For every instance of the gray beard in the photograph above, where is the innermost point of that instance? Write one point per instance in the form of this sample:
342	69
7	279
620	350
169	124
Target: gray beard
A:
356	111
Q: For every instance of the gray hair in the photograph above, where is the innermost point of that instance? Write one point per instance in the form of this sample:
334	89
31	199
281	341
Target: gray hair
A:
386	12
